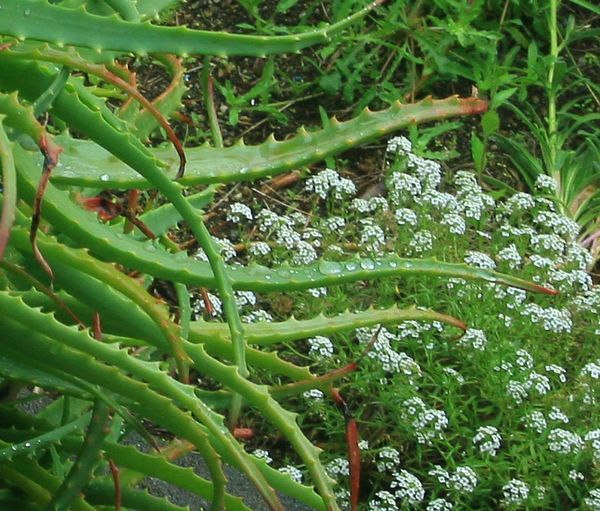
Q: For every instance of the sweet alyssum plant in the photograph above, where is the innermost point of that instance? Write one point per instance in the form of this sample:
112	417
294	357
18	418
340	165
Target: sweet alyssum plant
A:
76	315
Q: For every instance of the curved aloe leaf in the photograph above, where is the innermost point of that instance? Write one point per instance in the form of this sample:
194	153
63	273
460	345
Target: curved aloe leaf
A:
30	19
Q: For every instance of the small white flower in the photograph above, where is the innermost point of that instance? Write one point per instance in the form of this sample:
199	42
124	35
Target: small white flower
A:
338	467
388	460
405	216
320	347
535	420
591	370
259	248
564	442
473	338
329	183
408	487
334	224
243	298
399	145
439	505
456	223
313	395
515	492
464	479
511	255
422	242
538	382
237	211
556	414
293	472
574	475
593	501
479	260
488	440
545	183
256	316
263	455
318	292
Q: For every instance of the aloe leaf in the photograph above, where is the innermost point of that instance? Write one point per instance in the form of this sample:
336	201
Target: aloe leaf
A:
30	19
284	420
9	189
266	333
155	406
97	168
88	457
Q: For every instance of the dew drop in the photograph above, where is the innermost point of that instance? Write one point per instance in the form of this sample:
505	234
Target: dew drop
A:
330	267
408	265
150	248
351	266
268	277
367	264
393	264
104	177
27	444
243	170
27	12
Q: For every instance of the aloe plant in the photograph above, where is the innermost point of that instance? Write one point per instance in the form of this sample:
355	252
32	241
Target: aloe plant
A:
69	314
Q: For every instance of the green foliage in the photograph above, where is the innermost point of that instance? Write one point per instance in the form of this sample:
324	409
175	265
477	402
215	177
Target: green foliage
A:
63	269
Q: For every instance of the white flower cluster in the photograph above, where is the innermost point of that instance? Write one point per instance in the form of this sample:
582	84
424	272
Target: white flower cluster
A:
511	255
388	459
545	183
320	347
421	242
558	224
439	505
259	248
402	187
370	205
334	224
293	472
593	501
550	319
428	423
328	183
556	414
225	247
237	211
399	145
372	237
518	203
564	442
515	492
257	316
593	438
487	440
536	421
473	338
462	480
245	298
303	253
318	292
456	223
406	216
215	305
408	487
479	260
472	201
261	454
591	370
313	395
338	467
